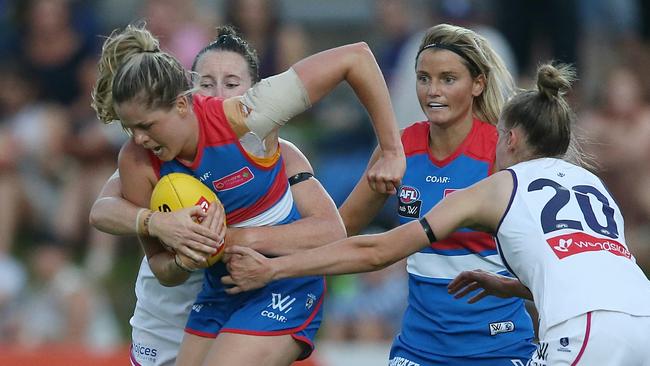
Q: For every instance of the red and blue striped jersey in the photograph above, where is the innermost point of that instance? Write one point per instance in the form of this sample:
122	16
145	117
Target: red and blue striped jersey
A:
434	320
254	191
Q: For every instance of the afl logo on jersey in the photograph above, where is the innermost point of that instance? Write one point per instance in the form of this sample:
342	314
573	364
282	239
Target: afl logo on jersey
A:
409	202
408	194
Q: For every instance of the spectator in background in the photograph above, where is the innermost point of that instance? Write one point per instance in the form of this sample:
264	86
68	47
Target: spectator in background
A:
182	27
61	305
13	93
12	286
539	29
395	24
279	45
617	130
51	48
34	168
610	33
92	146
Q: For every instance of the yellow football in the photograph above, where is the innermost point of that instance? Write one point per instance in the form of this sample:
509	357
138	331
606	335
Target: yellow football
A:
175	191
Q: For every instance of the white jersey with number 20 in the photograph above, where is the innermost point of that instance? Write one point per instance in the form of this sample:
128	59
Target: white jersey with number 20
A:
563	237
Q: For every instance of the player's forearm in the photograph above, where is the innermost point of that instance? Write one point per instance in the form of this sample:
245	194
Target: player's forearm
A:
351	255
115	216
361	207
365	71
306	233
168	273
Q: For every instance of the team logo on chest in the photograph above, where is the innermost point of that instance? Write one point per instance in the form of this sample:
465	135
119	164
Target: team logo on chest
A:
409	202
233	180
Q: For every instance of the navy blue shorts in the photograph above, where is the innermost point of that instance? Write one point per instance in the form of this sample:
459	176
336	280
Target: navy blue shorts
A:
290	306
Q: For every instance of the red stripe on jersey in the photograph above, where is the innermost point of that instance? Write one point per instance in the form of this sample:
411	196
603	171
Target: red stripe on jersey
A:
476	242
479	144
272	196
415	139
212	117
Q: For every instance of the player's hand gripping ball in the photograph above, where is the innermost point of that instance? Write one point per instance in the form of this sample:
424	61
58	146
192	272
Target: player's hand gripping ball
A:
176	191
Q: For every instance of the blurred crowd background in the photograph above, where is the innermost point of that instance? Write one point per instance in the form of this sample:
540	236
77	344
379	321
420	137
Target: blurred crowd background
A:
64	282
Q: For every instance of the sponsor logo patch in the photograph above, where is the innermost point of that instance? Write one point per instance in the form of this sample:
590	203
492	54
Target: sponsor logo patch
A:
311	299
564	341
401	361
197	307
143	352
409	202
233	180
501	327
575	243
279	305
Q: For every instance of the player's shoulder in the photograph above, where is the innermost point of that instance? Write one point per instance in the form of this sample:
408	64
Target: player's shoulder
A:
482	141
415	138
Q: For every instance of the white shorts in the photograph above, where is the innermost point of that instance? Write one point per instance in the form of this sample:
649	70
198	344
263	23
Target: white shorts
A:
159	318
150	348
596	338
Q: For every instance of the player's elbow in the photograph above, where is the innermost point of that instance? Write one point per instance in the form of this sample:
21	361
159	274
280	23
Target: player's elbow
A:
336	229
95	217
168	283
377	256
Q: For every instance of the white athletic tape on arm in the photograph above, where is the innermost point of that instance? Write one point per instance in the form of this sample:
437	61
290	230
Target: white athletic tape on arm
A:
274	101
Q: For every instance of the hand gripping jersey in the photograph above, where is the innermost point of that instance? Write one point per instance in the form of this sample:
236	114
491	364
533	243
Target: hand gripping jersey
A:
254	192
434	321
563	237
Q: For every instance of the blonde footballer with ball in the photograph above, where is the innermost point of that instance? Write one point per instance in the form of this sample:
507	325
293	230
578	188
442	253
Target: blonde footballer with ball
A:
175	130
557	228
226	67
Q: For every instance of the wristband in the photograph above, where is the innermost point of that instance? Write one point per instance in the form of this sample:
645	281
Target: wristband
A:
300	177
180	264
146	222
138	231
428	230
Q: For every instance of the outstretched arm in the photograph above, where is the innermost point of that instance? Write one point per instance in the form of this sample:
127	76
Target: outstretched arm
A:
480	206
320	222
489	283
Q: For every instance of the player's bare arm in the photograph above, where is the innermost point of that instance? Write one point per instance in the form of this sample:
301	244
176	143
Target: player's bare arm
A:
363	204
319	224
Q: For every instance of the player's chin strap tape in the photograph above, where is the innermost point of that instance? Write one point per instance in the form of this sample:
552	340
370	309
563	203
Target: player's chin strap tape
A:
300	177
428	230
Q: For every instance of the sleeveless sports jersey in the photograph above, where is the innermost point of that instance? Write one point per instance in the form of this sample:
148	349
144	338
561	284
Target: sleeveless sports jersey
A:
254	192
434	321
563	237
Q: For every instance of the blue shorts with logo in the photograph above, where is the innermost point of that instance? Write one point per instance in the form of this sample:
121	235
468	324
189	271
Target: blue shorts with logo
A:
517	354
290	306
